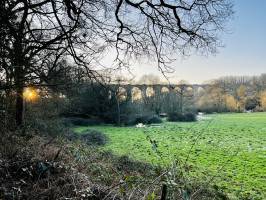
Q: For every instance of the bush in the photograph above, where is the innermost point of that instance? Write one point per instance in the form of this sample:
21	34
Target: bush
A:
76	121
190	117
146	119
154	120
251	103
142	119
93	137
179	117
52	126
174	117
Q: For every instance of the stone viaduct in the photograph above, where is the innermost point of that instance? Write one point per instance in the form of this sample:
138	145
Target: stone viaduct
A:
156	89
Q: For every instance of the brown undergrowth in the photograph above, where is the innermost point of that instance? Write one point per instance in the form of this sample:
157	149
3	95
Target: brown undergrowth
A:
38	167
41	167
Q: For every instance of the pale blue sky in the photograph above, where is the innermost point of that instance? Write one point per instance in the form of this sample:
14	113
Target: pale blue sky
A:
244	52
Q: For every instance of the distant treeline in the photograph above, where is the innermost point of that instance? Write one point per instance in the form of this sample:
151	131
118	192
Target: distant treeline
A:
234	93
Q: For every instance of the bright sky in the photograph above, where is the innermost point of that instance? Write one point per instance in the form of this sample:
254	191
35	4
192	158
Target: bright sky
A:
244	52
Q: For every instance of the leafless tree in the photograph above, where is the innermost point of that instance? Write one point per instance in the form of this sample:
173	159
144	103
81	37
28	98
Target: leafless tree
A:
81	31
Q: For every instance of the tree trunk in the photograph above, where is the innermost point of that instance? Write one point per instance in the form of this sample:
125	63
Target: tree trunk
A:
19	81
19	76
118	112
19	106
181	102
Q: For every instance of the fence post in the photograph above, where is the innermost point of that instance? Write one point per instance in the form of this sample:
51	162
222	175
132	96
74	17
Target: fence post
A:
164	192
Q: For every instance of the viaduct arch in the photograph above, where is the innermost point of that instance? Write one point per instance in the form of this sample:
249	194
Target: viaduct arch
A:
130	89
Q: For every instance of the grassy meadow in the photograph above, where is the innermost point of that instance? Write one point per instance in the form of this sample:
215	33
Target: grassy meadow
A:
228	150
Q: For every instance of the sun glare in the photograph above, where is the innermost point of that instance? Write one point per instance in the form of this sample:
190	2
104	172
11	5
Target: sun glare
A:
30	94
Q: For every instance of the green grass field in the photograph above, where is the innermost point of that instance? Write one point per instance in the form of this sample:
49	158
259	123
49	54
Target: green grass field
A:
231	147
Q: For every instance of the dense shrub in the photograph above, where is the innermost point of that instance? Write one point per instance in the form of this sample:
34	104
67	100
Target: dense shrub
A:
190	117
76	121
154	120
251	103
93	137
142	119
95	100
146	119
125	120
174	116
42	117
52	127
179	117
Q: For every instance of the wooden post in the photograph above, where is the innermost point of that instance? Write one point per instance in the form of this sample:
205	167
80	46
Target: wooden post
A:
164	192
